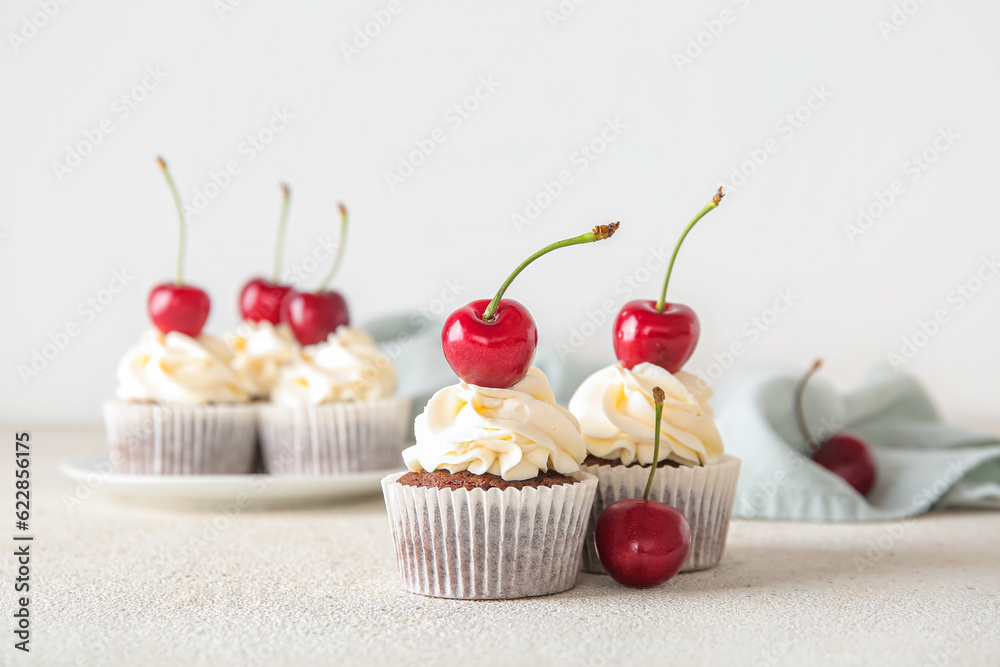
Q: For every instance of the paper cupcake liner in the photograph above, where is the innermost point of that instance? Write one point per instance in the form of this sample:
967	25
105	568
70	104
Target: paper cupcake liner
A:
704	495
334	438
175	439
489	544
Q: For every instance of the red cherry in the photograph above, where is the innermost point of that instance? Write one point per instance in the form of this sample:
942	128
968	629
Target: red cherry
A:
497	353
848	456
667	339
313	316
491	342
843	453
658	332
176	306
180	308
642	543
261	300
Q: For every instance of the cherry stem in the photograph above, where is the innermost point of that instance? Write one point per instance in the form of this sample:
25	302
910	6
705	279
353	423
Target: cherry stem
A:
658	397
279	246
179	280
341	243
600	232
662	303
800	414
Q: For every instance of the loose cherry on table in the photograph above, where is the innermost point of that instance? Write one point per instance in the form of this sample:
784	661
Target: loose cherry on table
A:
843	453
491	343
642	542
313	316
658	332
260	299
176	306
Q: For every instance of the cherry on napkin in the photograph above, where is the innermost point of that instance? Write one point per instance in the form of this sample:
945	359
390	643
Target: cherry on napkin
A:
923	463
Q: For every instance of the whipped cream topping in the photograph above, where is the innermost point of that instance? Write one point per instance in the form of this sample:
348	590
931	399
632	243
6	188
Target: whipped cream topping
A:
176	368
515	433
346	367
260	350
617	415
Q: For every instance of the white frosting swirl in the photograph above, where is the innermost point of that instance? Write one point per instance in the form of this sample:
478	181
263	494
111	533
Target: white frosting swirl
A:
515	433
260	350
175	368
617	415
346	367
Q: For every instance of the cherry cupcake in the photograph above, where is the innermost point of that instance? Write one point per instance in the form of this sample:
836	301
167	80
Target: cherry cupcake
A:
616	409
181	409
333	411
262	344
495	505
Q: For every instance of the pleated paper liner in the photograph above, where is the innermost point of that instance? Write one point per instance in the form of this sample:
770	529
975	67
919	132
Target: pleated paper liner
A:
334	438
704	495
178	439
489	544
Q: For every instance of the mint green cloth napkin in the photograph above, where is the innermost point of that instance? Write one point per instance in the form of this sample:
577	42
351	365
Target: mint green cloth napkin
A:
923	463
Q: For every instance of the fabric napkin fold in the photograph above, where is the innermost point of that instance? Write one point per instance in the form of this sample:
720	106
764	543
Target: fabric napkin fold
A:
922	462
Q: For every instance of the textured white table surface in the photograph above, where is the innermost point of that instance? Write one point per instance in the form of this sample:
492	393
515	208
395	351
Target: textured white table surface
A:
125	585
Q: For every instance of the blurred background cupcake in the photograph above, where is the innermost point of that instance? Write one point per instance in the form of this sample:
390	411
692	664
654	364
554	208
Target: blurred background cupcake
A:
333	410
259	352
181	409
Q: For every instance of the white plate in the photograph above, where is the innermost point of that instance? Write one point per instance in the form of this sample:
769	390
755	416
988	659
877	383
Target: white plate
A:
93	472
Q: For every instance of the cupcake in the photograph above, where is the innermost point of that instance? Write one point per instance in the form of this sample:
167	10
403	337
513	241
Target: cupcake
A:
181	409
616	412
260	350
494	504
332	410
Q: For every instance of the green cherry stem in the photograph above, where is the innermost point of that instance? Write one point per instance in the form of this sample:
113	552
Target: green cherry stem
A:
340	249
179	280
600	232
658	397
800	414
662	303
279	245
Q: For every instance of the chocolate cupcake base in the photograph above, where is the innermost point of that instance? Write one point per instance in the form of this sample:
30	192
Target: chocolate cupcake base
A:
704	495
488	544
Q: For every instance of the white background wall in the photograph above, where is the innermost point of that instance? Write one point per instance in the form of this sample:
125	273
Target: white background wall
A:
687	127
